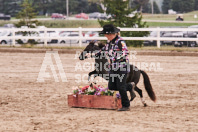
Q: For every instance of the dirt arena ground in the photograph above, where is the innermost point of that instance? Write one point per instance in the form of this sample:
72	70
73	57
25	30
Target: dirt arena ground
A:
28	105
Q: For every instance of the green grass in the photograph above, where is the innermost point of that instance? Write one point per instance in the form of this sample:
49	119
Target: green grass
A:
64	23
169	24
166	48
5	22
187	16
95	24
192	12
70	23
43	16
158	17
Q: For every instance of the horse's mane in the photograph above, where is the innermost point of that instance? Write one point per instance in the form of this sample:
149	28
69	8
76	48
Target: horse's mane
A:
101	44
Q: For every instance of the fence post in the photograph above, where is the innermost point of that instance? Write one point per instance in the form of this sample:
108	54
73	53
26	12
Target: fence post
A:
45	37
13	37
197	38
80	36
158	37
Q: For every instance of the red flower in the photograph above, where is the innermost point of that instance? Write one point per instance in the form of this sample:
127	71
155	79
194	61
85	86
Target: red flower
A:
85	87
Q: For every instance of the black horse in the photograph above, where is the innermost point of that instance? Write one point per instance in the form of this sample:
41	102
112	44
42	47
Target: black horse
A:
132	76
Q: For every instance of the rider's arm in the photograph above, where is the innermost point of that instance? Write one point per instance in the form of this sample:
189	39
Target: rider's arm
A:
123	51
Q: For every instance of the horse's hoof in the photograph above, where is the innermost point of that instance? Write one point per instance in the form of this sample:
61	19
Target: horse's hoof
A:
132	95
145	105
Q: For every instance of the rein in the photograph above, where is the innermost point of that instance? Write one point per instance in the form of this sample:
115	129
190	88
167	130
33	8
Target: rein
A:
88	55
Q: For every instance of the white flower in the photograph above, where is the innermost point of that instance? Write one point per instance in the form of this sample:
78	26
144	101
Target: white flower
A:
90	89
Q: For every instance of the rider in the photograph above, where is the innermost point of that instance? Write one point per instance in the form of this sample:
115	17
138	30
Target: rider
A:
117	52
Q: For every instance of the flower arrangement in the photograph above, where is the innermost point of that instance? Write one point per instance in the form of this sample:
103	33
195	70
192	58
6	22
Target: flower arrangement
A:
95	90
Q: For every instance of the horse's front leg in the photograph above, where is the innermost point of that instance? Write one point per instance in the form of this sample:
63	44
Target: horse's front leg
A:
91	73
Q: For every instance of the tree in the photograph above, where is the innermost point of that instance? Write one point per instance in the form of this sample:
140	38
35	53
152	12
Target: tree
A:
75	6
93	7
58	6
166	5
147	8
98	2
41	6
182	6
119	11
10	7
156	8
177	5
139	3
188	5
26	15
196	5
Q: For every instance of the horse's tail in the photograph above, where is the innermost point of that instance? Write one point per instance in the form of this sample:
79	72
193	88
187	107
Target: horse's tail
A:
148	86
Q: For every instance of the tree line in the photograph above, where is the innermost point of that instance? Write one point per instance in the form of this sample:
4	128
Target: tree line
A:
43	7
181	6
120	18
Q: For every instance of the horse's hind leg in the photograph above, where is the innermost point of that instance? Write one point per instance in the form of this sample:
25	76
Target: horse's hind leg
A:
141	95
132	92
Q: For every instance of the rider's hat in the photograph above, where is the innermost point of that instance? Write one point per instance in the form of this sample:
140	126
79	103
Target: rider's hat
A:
109	29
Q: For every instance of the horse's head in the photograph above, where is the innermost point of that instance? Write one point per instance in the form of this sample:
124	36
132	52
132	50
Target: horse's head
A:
91	47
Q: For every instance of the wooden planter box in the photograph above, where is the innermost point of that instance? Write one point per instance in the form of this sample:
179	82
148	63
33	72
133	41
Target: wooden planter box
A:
94	101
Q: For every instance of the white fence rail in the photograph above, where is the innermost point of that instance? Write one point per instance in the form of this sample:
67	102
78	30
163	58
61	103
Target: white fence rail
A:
14	37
